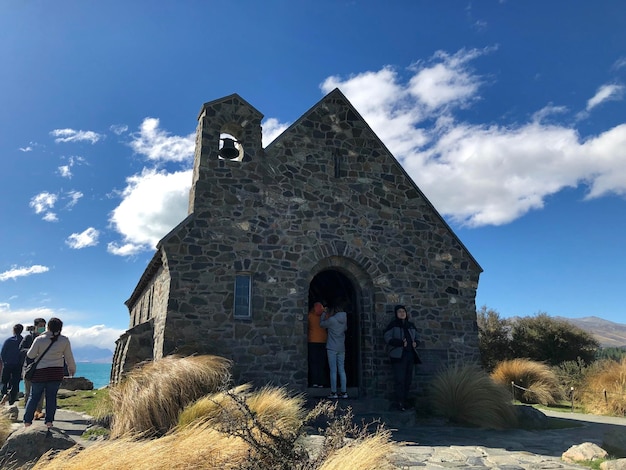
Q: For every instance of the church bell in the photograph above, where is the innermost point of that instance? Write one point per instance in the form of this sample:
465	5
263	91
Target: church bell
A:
228	150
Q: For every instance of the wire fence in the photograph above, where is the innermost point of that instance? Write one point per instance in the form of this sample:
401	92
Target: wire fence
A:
604	392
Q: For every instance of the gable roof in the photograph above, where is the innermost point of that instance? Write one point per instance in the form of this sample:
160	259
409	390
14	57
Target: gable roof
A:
337	95
232	97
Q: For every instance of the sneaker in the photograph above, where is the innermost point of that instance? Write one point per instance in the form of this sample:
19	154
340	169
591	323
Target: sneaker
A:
343	395
333	395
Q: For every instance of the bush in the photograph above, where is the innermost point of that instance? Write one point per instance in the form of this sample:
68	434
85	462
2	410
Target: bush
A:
229	429
466	394
539	383
545	339
494	339
150	398
604	388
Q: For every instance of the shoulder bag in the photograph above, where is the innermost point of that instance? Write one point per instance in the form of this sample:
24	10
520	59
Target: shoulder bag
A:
29	371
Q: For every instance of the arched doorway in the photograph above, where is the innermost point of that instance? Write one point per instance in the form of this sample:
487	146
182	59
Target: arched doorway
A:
332	286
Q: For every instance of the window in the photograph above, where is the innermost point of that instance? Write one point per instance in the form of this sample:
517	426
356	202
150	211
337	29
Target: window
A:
243	296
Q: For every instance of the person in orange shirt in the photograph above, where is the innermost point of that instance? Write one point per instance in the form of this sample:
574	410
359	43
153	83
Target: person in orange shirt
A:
317	346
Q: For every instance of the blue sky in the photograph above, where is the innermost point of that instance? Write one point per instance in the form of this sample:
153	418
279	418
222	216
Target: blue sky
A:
509	115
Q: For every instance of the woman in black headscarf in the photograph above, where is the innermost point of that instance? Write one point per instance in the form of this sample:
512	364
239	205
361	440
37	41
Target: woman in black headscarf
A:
401	339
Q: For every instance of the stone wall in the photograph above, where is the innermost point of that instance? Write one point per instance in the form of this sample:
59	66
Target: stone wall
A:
326	195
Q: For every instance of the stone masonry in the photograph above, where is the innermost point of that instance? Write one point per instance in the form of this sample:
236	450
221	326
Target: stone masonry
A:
324	211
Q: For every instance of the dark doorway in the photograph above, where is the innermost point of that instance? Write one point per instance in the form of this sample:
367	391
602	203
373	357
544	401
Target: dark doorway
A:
331	286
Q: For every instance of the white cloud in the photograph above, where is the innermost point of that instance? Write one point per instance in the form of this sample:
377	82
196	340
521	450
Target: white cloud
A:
23	271
118	129
72	135
26	149
152	204
43	203
619	63
272	128
88	237
74	197
445	80
605	93
480	174
100	336
65	171
159	146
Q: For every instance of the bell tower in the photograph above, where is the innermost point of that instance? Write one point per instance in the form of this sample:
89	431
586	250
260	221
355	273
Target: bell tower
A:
228	150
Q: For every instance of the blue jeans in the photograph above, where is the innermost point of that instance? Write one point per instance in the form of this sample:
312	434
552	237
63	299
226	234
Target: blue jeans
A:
37	389
336	361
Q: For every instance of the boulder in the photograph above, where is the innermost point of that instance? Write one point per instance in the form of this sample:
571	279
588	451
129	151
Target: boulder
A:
10	412
584	451
615	442
529	417
619	464
26	445
76	383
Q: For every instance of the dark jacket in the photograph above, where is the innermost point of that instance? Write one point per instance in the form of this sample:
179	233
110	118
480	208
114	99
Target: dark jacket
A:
25	345
394	335
11	351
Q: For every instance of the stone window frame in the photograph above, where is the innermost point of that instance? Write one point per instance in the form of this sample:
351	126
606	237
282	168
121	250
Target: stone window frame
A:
242	296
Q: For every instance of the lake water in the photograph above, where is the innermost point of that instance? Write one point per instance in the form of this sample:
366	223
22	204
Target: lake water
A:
98	373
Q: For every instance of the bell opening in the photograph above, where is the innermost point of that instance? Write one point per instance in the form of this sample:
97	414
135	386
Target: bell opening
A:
230	148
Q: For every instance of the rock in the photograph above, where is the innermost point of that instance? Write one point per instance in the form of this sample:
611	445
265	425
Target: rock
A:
615	442
531	418
76	383
26	445
584	451
10	412
619	464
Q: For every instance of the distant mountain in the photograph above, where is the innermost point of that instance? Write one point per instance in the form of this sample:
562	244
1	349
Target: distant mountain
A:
608	333
92	354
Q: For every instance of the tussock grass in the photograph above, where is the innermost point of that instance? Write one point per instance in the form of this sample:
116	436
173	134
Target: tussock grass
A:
269	410
607	375
539	380
238	428
466	394
195	446
5	429
370	453
149	399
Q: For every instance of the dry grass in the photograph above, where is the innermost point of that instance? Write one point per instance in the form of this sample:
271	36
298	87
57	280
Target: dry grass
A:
370	453
239	429
539	381
195	446
466	394
5	429
150	398
268	414
609	376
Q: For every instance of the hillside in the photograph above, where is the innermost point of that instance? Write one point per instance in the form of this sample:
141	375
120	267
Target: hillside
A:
608	333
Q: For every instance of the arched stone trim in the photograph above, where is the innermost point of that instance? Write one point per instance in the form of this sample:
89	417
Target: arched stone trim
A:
366	298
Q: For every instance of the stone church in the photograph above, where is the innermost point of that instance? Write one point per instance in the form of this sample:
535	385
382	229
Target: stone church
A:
323	212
